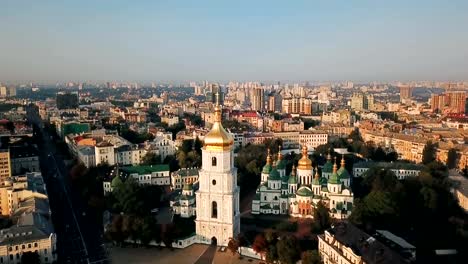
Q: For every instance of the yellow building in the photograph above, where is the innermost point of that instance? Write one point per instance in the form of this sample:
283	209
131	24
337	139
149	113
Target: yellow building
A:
5	166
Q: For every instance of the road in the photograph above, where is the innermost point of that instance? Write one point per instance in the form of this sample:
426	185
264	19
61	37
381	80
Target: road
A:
79	238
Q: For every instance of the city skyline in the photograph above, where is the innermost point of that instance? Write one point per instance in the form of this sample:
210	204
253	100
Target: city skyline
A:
97	41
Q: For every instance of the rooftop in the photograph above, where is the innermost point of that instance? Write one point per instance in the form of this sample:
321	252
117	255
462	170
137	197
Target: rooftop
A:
147	169
369	248
388	165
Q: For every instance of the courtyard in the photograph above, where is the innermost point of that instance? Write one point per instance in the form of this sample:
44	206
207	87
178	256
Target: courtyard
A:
187	255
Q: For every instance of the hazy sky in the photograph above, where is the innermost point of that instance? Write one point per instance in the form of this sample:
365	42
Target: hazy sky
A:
233	40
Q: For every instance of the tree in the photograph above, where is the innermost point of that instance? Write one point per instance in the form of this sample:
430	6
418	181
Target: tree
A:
233	245
271	254
311	257
452	157
322	219
260	244
30	258
151	159
288	249
355	135
429	153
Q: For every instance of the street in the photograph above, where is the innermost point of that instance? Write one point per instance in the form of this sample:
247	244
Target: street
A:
79	239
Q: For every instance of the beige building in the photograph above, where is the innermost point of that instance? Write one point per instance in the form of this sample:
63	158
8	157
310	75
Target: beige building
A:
5	165
17	189
25	200
460	191
297	105
309	138
346	244
183	176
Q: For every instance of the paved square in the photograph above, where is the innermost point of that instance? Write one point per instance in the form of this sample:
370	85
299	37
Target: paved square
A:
178	256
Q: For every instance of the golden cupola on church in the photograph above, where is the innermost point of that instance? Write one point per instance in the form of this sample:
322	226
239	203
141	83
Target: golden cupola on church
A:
304	163
218	138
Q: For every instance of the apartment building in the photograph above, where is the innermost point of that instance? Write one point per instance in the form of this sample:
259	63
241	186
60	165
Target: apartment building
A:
5	165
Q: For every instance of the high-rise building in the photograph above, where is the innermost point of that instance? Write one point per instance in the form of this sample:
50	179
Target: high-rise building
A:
297	105
217	199
5	164
257	99
406	92
437	103
3	91
360	101
449	102
457	102
274	102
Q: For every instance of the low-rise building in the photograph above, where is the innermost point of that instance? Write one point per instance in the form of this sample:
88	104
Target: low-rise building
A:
25	199
24	159
402	170
143	175
184	204
460	191
183	176
346	244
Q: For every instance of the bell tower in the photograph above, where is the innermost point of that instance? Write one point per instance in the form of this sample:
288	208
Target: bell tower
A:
217	198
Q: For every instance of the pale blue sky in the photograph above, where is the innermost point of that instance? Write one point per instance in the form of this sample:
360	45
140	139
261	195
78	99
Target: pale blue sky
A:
233	40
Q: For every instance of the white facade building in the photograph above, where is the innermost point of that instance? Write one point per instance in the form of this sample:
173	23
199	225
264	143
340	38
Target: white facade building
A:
217	199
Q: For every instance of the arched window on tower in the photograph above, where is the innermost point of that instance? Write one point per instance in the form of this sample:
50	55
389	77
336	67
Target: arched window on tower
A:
214	210
213	161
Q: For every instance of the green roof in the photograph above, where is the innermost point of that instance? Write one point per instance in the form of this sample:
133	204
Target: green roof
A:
292	180
315	181
188	187
257	196
116	181
281	165
266	168
323	180
274	175
147	169
324	189
186	197
328	167
343	173
334	178
285	178
304	191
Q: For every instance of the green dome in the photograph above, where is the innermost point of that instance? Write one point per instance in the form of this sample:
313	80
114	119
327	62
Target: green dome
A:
285	178
266	169
323	181
328	167
187	187
292	180
343	173
274	175
281	165
304	191
315	181
116	181
334	178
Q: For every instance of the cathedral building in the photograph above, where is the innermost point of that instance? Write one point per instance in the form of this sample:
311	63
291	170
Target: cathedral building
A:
217	198
299	193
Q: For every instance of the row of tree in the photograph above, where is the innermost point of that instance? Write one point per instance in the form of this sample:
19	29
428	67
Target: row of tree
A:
283	249
420	209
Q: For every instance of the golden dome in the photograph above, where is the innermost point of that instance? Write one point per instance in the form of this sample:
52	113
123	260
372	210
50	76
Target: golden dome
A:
218	138
304	163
